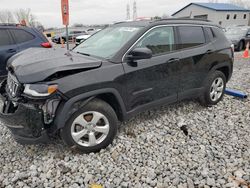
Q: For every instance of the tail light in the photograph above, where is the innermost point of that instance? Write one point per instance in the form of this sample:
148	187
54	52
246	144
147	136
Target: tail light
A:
46	45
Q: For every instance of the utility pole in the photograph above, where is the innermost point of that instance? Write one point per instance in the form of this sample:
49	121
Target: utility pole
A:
134	10
128	12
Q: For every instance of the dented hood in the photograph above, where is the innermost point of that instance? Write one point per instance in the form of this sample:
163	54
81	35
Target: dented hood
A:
37	64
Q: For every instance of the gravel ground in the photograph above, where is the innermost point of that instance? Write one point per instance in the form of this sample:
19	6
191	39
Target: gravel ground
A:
182	145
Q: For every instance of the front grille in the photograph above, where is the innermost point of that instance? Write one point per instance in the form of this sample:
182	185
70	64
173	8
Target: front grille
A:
12	85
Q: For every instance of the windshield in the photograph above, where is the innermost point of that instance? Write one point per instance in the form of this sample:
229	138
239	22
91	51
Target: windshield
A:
236	31
108	42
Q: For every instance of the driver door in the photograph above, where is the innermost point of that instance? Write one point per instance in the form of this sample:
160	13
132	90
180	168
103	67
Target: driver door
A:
153	81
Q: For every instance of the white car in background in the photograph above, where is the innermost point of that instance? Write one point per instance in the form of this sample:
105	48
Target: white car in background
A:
82	38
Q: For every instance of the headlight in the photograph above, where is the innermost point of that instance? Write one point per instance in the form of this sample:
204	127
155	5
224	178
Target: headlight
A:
40	90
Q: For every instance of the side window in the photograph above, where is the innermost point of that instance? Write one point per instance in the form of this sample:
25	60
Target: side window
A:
191	36
218	33
22	36
210	33
159	40
5	38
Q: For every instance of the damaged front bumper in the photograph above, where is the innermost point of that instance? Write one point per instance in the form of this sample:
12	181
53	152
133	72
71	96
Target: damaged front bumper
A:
29	122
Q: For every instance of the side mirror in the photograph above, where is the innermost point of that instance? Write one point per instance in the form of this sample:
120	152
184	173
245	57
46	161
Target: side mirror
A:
140	53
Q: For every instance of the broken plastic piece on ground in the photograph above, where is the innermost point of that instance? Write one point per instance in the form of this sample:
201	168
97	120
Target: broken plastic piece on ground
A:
235	93
185	130
96	186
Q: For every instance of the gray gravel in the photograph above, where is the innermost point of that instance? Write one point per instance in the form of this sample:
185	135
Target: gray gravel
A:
182	145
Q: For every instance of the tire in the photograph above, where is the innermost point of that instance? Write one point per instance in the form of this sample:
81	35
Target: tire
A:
89	120
214	91
241	46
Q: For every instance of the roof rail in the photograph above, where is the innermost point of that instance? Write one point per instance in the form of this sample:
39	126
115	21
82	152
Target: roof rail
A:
11	24
8	24
186	19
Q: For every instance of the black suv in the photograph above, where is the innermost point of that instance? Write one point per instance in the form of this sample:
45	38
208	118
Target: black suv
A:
120	71
15	38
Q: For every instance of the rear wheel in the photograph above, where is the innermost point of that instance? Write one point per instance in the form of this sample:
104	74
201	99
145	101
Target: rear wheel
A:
91	128
214	89
241	46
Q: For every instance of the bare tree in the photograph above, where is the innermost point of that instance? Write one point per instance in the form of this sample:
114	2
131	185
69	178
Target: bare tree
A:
6	16
241	3
165	16
25	14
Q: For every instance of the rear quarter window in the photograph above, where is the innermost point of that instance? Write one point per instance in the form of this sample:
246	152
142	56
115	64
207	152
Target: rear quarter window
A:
209	33
5	38
191	36
218	33
22	36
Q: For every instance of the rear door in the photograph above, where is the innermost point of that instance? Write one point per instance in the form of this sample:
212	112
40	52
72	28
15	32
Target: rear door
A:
197	52
25	39
7	49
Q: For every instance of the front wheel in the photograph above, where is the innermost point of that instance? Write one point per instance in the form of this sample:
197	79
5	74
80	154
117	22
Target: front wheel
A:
214	89
91	128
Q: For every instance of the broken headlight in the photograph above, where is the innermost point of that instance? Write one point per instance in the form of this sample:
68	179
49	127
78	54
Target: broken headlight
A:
40	90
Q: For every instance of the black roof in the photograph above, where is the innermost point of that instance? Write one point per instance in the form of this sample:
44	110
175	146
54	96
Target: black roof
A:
145	23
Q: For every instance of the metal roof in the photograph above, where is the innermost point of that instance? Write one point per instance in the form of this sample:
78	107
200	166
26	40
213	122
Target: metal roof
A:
216	7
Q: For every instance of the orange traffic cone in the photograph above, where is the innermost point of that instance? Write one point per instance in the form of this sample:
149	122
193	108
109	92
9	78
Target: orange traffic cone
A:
246	52
62	42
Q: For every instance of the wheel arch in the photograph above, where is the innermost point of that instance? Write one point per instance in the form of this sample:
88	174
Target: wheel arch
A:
109	95
244	42
224	67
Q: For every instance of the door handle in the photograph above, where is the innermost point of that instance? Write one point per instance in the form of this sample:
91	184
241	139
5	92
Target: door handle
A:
172	60
11	51
209	51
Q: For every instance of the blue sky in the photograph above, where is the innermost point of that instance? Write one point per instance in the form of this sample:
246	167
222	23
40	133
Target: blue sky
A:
94	11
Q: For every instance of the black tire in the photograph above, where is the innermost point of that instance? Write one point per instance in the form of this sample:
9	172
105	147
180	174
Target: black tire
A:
98	106
205	98
241	45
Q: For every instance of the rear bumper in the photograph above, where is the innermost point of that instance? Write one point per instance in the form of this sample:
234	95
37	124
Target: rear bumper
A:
24	122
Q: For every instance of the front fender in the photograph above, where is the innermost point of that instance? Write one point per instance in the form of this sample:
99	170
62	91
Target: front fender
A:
62	114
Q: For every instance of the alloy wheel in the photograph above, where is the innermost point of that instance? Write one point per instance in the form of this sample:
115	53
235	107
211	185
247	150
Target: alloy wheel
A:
216	89
90	129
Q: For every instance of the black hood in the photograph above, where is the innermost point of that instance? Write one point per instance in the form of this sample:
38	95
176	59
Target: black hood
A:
37	64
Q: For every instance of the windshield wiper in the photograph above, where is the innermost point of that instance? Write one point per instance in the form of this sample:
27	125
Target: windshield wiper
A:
83	53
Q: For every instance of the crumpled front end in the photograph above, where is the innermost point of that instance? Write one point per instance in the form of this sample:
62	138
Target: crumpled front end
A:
28	119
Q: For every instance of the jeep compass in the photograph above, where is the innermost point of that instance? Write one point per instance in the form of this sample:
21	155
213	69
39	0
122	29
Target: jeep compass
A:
117	73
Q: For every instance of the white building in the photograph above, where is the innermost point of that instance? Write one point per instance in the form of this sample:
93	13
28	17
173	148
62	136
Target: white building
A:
220	13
